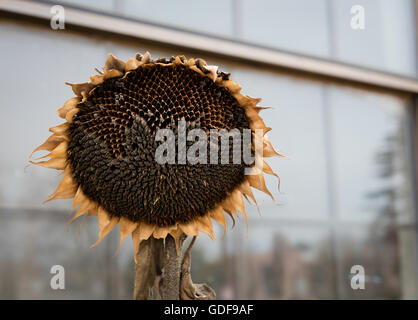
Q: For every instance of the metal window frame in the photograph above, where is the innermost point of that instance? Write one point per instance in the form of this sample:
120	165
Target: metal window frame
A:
213	46
414	138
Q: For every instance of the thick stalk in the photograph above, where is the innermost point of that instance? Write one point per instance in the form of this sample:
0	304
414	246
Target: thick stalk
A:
161	267
170	286
148	267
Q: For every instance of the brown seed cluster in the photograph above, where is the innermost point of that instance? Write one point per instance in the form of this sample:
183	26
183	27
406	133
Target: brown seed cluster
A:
112	144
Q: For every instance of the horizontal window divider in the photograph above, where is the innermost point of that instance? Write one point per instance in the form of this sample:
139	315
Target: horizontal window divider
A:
212	45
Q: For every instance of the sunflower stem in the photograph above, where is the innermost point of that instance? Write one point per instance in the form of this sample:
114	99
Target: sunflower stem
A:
148	267
162	271
170	289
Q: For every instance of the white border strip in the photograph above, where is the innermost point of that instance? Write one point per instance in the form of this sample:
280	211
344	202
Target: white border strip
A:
227	48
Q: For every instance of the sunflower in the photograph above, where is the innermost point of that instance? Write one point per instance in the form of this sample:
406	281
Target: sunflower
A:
106	148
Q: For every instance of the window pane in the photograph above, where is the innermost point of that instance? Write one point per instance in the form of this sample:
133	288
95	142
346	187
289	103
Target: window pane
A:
277	261
386	251
297	121
105	5
388	40
34	240
371	153
374	191
213	17
296	25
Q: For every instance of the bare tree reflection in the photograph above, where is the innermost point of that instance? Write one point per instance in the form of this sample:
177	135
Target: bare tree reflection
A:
377	251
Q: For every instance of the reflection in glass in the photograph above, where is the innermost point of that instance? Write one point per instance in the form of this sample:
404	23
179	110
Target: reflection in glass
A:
104	5
212	17
370	138
374	192
386	43
297	121
277	261
297	25
34	240
377	249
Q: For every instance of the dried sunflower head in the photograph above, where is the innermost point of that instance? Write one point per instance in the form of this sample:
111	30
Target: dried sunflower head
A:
107	146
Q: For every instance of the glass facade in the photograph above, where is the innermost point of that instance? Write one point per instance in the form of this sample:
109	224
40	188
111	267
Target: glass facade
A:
347	192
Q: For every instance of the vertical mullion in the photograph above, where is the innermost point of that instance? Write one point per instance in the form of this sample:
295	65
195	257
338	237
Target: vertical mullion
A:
331	29
414	155
416	35
118	7
331	190
414	135
236	18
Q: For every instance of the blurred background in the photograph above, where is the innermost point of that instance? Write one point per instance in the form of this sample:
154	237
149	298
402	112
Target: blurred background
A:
344	113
